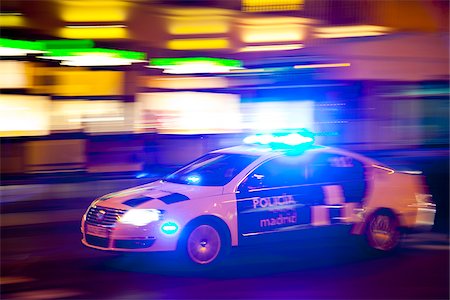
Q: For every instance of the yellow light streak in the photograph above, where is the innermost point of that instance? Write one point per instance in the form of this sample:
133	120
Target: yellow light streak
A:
196	26
355	28
350	31
198	44
272	33
93	33
315	66
271	5
182	82
389	170
94	11
95	26
12	20
271	48
275	20
196	12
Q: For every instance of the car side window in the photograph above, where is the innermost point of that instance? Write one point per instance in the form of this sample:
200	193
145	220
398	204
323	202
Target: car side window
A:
278	172
343	170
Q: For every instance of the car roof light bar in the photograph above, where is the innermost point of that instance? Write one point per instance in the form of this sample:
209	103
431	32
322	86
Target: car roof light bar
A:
289	139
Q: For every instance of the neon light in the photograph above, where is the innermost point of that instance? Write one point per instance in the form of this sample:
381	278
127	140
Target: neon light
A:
198	44
169	228
271	48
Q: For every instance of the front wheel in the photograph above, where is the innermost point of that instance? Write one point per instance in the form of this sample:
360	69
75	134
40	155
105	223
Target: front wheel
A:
204	245
382	232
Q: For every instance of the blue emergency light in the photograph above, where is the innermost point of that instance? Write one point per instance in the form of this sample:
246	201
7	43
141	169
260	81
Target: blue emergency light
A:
292	139
169	228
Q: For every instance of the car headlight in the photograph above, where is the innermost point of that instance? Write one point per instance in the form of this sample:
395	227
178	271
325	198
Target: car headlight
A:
140	217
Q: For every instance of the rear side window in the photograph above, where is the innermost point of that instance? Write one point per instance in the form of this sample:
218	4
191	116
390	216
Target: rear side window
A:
343	170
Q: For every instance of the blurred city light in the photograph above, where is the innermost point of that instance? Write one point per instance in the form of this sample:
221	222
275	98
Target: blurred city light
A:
271	5
366	75
198	44
12	19
9	47
94	57
191	65
93	10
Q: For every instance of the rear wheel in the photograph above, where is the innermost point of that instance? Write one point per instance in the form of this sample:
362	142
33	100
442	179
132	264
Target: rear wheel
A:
382	231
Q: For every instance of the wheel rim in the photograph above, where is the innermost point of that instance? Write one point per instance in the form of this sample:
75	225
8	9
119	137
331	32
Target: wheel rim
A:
203	244
383	232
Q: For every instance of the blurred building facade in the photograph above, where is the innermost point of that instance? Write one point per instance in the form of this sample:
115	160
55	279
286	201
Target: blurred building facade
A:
365	75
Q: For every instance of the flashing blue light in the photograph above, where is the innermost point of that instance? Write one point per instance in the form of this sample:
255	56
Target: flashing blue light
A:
169	228
193	179
291	139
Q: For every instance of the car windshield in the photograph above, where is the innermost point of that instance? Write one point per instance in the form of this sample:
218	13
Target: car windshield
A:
213	169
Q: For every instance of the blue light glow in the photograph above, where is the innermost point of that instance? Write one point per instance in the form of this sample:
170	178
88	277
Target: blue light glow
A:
169	228
291	139
141	175
193	179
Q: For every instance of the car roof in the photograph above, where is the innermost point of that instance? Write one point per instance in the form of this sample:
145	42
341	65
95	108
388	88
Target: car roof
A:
262	151
268	152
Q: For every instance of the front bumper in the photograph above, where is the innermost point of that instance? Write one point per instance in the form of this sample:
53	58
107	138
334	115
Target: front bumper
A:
127	238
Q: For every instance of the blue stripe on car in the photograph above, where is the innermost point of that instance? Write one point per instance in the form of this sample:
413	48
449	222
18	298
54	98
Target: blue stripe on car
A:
137	201
173	198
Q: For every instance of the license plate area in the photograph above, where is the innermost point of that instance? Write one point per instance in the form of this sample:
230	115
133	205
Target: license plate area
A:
97	231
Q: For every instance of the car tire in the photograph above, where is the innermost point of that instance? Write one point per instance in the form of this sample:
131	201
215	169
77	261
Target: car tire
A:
204	244
382	231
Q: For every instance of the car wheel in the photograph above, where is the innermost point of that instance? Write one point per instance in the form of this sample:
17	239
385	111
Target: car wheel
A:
382	231
204	245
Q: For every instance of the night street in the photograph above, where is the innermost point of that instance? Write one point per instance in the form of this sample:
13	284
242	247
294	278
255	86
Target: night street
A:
224	149
49	262
44	258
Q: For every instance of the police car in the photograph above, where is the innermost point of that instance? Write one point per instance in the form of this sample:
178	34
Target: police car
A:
270	186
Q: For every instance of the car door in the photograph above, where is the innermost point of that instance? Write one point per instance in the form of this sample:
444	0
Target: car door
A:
343	181
272	198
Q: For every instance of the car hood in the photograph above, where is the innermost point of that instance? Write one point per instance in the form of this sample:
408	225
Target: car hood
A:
156	195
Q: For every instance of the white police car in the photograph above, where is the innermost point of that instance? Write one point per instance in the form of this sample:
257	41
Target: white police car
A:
243	194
